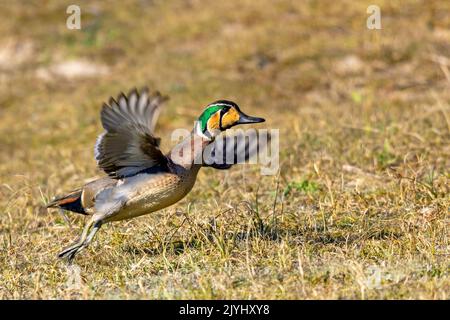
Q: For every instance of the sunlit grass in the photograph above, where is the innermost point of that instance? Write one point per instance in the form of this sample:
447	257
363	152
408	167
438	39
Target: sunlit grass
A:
360	208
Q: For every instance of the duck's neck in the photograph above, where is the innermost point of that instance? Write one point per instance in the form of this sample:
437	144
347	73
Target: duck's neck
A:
189	152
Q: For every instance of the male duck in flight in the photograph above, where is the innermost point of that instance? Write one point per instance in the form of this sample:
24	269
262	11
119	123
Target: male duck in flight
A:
141	179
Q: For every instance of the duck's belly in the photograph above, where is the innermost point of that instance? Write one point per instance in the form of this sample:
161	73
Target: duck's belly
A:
153	195
149	201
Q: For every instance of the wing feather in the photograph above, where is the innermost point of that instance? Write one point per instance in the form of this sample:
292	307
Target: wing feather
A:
128	144
237	148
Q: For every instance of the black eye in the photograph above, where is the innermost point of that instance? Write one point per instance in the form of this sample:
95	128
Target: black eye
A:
222	112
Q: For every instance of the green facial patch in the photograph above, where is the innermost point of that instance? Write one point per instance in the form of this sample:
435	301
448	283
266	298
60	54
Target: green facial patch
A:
207	114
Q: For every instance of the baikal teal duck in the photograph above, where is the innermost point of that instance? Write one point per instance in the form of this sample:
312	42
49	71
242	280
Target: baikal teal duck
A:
139	178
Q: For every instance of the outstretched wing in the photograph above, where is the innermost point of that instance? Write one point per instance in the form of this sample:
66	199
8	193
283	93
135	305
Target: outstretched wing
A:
238	148
128	144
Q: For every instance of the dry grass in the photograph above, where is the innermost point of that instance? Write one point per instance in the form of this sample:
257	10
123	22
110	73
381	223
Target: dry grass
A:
360	208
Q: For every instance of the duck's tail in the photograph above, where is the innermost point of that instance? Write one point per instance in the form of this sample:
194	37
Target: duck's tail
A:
71	202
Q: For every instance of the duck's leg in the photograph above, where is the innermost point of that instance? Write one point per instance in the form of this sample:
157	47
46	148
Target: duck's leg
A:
86	237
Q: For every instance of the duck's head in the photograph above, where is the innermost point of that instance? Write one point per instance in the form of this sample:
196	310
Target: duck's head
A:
220	116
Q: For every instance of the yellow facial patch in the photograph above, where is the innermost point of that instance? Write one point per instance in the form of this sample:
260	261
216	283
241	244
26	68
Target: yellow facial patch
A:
213	122
230	118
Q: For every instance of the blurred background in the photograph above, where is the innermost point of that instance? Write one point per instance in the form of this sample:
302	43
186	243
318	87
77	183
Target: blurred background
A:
365	144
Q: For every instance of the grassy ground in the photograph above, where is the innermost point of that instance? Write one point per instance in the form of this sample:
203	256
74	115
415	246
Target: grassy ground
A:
360	208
